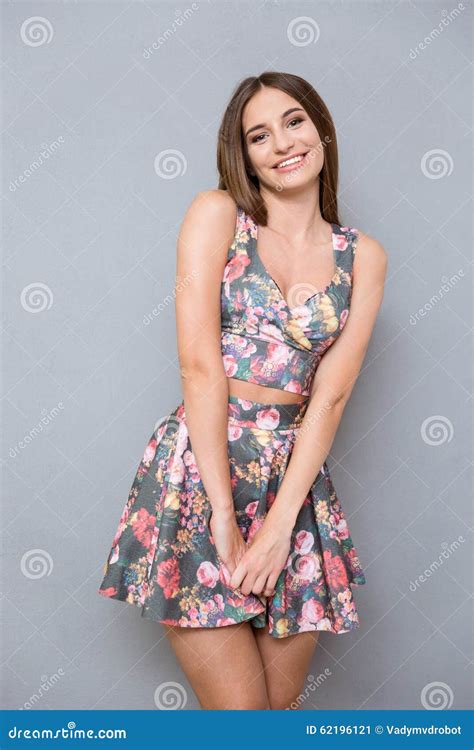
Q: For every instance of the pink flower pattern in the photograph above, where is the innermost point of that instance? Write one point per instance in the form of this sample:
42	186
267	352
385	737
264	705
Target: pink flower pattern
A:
163	557
265	341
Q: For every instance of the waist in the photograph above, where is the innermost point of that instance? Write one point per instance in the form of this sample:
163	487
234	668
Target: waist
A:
263	416
262	393
242	412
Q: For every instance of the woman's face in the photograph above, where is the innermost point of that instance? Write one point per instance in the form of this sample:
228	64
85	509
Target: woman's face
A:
273	133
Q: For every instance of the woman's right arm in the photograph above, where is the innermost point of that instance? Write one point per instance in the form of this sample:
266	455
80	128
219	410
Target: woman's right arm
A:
205	236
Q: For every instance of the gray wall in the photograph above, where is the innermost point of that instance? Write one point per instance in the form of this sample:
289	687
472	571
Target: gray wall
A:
90	219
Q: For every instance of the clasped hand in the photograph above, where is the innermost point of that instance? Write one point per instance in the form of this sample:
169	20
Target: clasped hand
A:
254	567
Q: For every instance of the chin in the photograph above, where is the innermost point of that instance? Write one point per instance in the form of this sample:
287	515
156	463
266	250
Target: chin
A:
293	181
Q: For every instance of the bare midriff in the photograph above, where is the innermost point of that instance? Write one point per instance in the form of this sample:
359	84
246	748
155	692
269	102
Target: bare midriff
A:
262	393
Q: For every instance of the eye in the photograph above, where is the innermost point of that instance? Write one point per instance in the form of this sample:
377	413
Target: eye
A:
296	119
261	135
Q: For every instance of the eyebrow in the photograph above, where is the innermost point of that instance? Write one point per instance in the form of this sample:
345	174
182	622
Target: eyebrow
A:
285	114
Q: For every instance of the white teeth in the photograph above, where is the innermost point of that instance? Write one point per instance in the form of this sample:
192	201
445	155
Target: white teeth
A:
290	161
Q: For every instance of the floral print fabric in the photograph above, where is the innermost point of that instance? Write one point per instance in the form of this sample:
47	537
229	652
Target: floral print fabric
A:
264	340
163	557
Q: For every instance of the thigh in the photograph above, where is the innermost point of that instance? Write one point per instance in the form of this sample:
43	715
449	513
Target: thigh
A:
223	665
286	663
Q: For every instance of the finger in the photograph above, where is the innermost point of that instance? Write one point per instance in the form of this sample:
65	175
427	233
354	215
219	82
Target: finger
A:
247	583
271	582
237	576
260	584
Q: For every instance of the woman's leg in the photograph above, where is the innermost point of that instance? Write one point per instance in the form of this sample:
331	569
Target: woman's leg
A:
286	663
222	664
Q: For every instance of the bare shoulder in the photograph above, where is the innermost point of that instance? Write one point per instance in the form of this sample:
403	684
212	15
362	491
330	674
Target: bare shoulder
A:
207	231
370	257
214	208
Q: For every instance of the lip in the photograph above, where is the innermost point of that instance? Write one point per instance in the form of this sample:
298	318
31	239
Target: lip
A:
290	166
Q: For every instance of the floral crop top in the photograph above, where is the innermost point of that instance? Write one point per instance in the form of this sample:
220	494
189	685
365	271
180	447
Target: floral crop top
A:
266	341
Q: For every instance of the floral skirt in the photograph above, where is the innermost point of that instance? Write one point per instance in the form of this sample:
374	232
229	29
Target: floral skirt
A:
163	557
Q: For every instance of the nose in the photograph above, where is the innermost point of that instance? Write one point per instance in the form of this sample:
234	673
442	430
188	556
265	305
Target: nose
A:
284	141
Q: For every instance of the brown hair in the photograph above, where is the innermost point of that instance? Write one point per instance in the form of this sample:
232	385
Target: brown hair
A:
232	156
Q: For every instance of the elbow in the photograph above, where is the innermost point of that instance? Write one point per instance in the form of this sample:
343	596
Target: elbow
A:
341	401
200	369
331	400
337	401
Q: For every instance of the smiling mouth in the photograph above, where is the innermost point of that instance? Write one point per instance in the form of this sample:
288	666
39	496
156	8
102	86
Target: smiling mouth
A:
291	161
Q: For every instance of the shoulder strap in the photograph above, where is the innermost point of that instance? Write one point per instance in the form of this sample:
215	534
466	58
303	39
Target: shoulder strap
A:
239	228
355	234
345	243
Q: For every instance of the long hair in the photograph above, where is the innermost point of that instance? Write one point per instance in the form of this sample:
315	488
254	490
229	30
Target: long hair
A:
233	162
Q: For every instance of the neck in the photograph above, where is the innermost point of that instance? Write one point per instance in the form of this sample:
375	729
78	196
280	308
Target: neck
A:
296	214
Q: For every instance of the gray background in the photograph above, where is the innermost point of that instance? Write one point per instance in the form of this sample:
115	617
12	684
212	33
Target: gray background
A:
89	251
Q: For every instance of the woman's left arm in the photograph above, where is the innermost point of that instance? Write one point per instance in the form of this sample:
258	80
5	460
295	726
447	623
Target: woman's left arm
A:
260	566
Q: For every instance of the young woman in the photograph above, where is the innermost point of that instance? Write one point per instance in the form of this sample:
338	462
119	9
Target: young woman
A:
233	535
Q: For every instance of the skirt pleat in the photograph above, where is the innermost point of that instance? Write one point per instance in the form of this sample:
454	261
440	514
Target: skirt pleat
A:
163	557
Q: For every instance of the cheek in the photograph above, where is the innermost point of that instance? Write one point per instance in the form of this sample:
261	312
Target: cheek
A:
312	132
316	155
311	135
259	156
317	159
